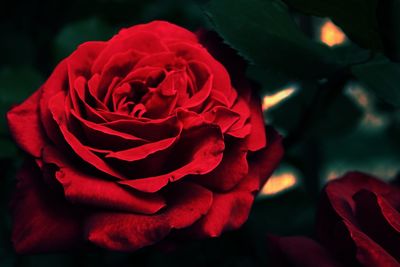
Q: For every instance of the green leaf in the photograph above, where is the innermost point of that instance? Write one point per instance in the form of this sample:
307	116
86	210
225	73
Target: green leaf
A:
76	33
264	33
382	77
269	80
357	18
295	208
289	213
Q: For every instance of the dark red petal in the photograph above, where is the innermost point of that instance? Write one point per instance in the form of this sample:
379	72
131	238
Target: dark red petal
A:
340	192
232	169
127	232
25	125
338	211
42	221
143	151
201	151
193	52
102	137
298	251
56	106
265	161
257	138
56	83
242	127
369	253
119	65
139	41
371	211
203	81
82	188
78	102
231	209
81	60
223	117
152	130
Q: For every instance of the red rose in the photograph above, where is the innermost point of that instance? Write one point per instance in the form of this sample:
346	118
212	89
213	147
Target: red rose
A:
135	137
358	225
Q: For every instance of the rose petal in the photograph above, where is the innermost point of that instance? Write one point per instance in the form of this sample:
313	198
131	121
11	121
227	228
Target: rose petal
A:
119	65
42	221
129	232
265	161
152	130
56	106
141	152
25	125
231	209
369	253
81	60
57	82
340	192
338	211
200	149
83	188
232	169
78	103
223	117
242	127
139	41
371	211
193	52
257	138
102	137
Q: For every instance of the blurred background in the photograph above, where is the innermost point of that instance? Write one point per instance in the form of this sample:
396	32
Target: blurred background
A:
329	80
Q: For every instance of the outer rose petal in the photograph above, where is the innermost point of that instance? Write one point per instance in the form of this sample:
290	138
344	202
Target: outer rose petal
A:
57	82
42	221
369	253
232	169
128	232
236	67
298	251
372	212
257	138
25	125
231	209
81	188
338	222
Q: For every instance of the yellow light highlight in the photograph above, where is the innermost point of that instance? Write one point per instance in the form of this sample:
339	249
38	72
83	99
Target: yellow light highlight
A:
274	99
278	183
371	118
331	34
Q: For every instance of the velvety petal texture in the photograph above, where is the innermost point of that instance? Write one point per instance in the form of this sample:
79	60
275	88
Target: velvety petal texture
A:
136	137
357	225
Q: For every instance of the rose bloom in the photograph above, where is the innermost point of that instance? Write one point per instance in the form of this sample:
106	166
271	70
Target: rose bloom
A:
137	137
358	224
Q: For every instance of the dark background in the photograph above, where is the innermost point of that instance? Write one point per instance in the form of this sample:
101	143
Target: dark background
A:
344	114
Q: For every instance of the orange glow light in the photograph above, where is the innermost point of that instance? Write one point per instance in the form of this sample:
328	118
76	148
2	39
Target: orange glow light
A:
331	34
278	183
272	100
